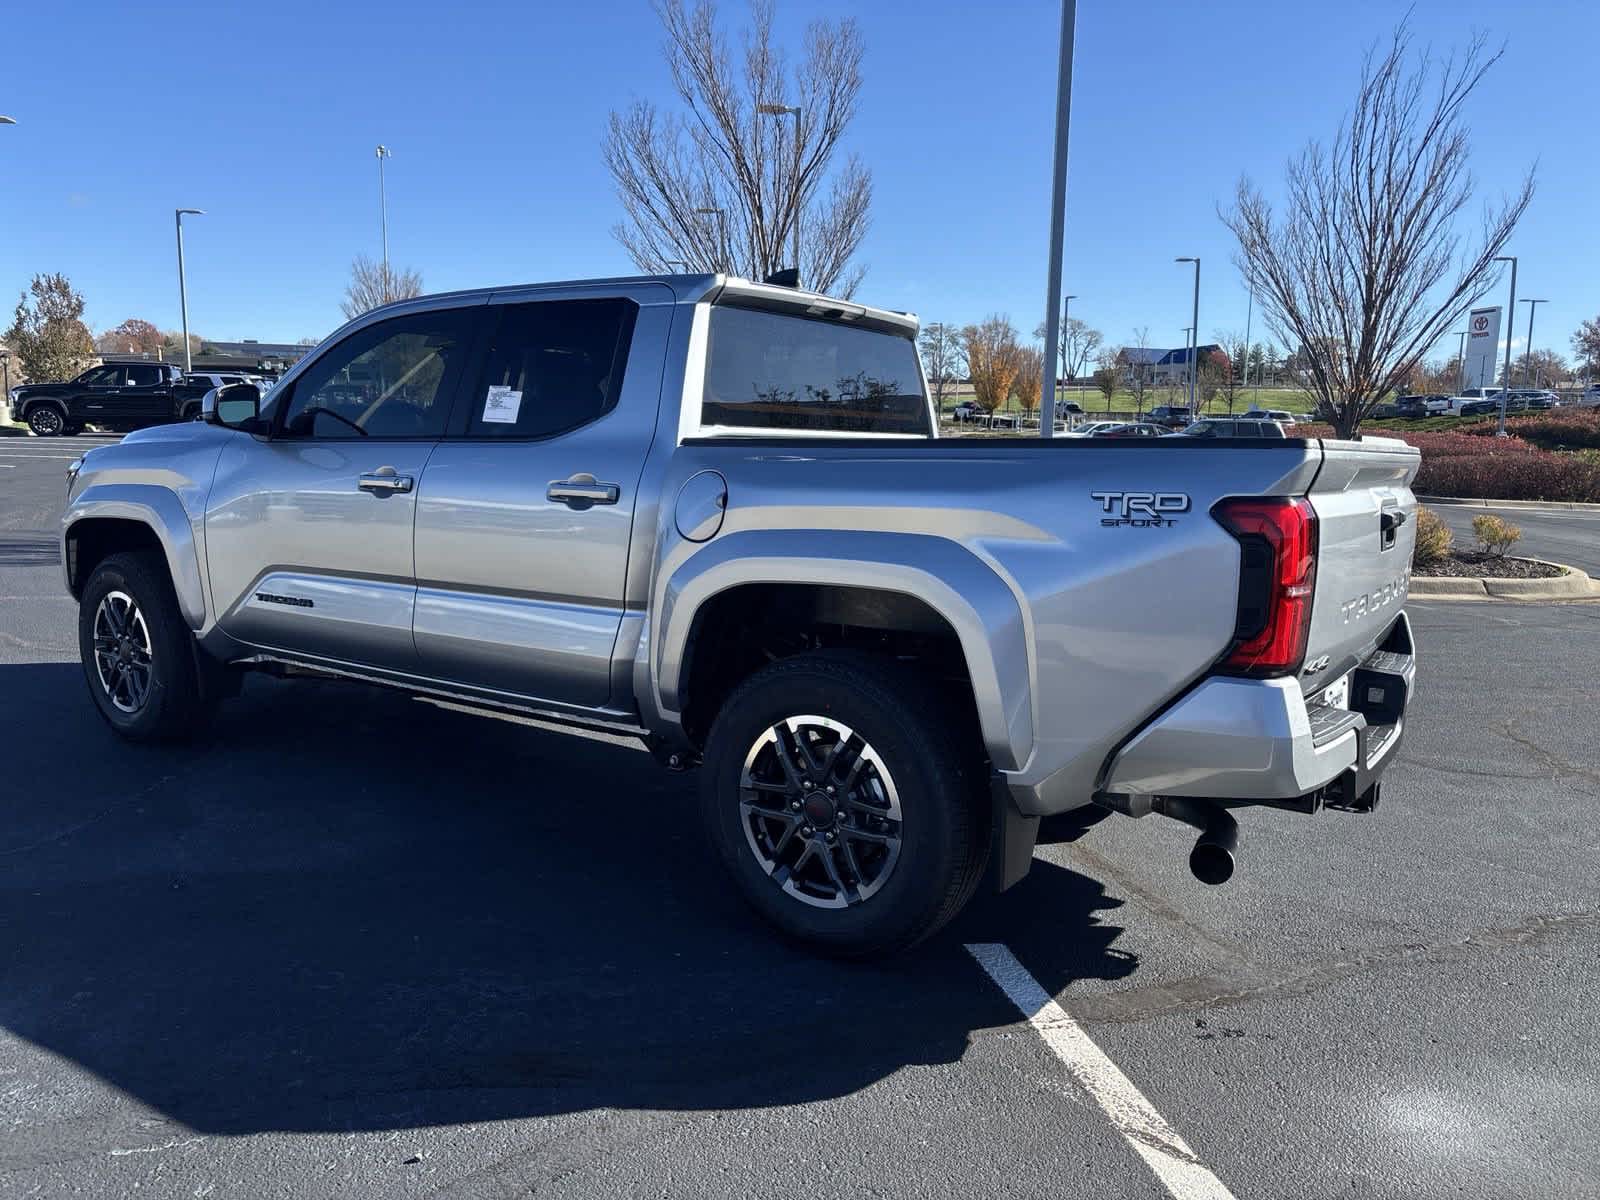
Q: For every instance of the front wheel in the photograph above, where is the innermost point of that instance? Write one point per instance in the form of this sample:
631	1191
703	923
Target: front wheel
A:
138	659
46	420
842	804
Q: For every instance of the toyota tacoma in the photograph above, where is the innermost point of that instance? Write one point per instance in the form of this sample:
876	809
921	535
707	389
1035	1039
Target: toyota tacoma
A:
716	515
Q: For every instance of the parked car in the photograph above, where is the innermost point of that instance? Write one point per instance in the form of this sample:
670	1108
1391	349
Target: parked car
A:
1384	412
1232	427
1093	429
1173	416
1068	408
1451	405
1281	415
1477	408
1133	429
966	411
885	661
1533	398
114	396
1415	408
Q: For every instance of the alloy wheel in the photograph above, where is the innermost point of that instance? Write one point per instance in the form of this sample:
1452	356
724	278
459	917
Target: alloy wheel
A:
820	811
123	656
46	422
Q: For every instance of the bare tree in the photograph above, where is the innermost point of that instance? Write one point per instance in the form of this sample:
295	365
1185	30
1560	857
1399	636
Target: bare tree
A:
1078	344
991	361
942	359
764	173
1365	270
1106	372
1136	357
374	284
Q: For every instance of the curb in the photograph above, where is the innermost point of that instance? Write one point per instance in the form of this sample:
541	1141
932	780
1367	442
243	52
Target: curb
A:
1475	503
15	431
1574	585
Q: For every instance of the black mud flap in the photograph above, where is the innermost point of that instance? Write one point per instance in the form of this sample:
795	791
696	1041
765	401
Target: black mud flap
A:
1012	839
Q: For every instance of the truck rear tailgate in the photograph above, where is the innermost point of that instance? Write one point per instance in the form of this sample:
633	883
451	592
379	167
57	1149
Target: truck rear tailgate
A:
1366	526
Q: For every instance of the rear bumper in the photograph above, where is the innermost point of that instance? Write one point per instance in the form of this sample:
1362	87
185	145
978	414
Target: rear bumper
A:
1256	741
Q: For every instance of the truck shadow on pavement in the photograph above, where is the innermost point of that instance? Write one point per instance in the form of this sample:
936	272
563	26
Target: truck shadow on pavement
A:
349	910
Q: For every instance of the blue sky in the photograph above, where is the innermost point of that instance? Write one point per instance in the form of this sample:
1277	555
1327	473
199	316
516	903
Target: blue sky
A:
267	115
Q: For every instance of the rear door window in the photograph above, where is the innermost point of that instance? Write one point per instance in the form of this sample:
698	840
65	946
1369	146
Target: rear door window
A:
553	366
776	371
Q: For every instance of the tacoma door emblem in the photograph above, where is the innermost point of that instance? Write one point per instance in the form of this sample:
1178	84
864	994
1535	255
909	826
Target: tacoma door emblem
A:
291	601
1140	510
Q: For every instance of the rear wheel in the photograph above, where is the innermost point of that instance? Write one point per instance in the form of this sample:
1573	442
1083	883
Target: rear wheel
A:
138	657
46	420
841	805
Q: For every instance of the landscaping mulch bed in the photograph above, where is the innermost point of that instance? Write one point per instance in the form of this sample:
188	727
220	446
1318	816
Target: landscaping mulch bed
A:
1473	564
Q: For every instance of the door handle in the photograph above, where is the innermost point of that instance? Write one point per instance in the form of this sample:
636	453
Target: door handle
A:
384	482
582	491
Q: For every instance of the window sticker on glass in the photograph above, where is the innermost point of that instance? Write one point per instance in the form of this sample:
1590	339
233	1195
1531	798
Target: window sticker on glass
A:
501	404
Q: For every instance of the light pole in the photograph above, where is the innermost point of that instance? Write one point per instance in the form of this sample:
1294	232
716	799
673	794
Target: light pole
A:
1511	312
7	121
1461	362
1249	311
1058	212
383	216
183	290
790	110
1527	351
1194	347
722	236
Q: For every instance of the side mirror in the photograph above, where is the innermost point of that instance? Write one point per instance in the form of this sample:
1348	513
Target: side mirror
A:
234	405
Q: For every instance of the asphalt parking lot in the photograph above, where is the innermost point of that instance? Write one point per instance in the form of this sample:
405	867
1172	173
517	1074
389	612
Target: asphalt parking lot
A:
352	942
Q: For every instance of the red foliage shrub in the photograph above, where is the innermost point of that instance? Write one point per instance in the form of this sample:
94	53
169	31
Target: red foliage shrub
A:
1572	430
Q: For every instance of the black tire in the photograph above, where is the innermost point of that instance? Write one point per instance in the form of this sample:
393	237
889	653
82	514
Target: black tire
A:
47	420
168	704
939	780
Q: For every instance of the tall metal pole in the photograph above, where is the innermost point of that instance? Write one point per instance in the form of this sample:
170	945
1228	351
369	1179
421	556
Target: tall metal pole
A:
1058	214
797	198
383	218
183	289
722	235
1249	311
1461	362
1194	354
1527	351
1511	312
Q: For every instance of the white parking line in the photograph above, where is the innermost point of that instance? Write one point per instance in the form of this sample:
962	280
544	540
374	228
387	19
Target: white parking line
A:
1156	1142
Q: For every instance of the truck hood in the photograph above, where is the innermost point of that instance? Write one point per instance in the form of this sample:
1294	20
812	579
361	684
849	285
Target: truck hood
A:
30	390
181	434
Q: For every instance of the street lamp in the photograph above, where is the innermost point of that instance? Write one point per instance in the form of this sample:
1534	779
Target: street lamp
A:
7	121
1194	347
183	290
1511	312
722	236
790	110
1461	362
1527	351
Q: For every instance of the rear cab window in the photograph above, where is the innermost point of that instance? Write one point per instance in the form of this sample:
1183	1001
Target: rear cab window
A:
783	373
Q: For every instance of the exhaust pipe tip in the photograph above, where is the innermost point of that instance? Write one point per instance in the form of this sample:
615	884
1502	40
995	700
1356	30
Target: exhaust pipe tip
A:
1211	862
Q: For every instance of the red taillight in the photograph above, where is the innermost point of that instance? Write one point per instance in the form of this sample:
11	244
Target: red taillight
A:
1277	576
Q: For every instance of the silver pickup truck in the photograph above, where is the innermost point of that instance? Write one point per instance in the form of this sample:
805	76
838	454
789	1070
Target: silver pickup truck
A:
717	516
